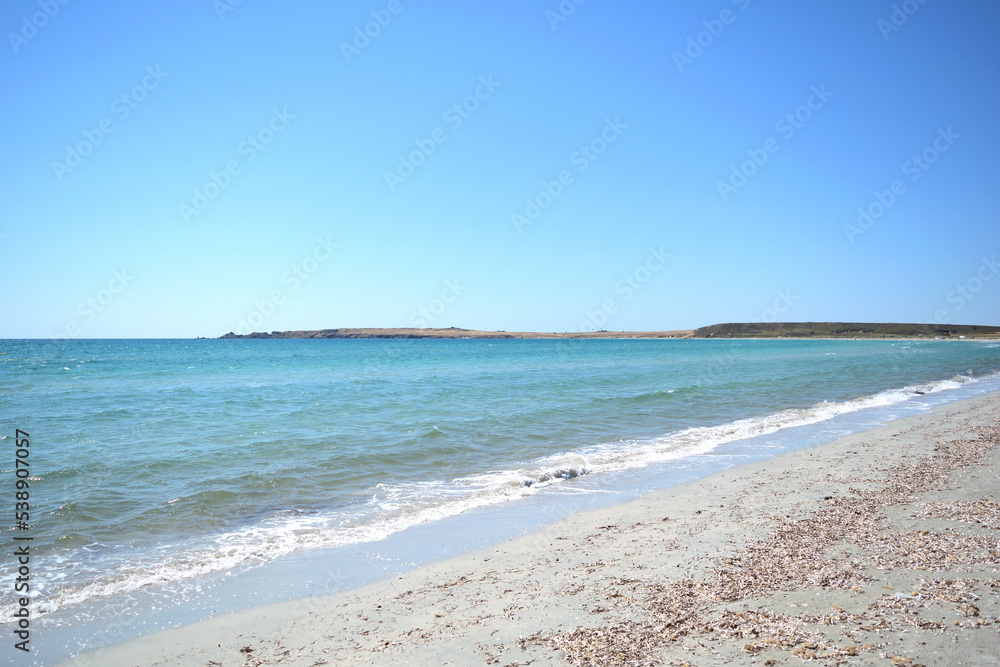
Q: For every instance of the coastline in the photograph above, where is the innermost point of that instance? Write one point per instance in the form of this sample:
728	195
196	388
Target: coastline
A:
730	331
739	566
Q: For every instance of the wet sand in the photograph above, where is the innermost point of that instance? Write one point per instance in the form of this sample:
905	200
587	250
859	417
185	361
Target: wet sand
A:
880	548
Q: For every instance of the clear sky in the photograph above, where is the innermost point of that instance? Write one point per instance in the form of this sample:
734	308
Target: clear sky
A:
195	167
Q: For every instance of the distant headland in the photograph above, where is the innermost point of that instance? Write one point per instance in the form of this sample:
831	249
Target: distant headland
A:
730	330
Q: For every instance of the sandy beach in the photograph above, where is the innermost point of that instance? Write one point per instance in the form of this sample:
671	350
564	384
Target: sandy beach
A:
880	548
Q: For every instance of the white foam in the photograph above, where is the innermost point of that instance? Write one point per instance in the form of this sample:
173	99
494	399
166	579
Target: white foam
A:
702	440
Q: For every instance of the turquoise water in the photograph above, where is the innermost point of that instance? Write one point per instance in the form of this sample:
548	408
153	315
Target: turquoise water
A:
155	463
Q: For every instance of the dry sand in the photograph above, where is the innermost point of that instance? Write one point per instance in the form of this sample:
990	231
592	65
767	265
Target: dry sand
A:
880	548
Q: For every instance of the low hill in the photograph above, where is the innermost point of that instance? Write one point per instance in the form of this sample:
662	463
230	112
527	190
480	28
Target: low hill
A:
844	330
730	330
453	332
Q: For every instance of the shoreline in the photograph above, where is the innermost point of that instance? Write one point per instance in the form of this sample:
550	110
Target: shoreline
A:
643	578
730	331
635	336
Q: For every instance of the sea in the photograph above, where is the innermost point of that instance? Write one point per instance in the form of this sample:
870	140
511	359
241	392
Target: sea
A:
172	480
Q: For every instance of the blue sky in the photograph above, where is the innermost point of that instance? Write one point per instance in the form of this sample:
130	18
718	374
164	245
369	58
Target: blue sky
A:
196	167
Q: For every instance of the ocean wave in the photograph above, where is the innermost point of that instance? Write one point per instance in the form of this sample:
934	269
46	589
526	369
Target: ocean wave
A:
704	439
391	508
645	397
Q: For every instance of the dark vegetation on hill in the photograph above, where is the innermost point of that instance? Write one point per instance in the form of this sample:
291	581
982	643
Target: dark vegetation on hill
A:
843	330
